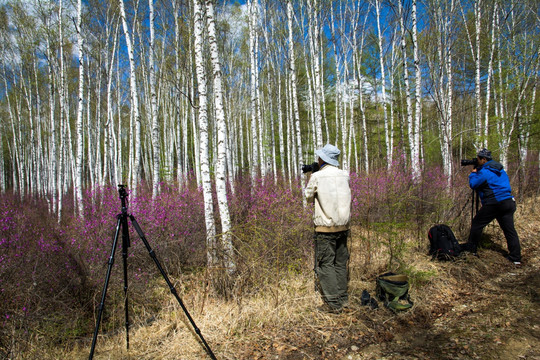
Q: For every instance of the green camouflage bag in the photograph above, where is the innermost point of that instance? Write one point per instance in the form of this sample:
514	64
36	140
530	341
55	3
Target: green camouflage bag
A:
393	291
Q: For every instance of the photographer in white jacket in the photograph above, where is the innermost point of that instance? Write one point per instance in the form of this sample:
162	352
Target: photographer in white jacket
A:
328	188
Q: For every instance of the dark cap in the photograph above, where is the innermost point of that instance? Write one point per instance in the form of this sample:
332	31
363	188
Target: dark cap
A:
485	153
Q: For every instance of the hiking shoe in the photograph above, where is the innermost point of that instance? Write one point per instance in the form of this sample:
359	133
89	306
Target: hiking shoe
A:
517	263
364	298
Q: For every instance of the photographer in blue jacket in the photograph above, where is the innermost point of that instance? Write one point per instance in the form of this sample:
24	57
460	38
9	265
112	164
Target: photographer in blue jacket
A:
491	183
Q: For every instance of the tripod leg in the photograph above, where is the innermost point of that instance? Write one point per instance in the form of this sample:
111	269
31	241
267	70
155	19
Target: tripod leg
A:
105	286
473	198
171	286
125	245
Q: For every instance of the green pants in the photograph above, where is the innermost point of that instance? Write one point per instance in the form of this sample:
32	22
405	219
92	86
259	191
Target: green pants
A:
331	257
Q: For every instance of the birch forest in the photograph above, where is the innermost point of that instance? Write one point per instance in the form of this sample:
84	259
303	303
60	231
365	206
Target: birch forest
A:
144	93
107	92
206	110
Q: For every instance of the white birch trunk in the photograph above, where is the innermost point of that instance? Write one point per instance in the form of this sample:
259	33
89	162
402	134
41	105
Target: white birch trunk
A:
338	113
410	125
449	97
221	171
440	64
383	85
415	149
111	158
53	165
80	108
281	134
316	69
119	159
289	128
153	106
524	131
40	173
253	71
296	112
136	166
490	74
358	66
478	22
204	136
63	112
91	140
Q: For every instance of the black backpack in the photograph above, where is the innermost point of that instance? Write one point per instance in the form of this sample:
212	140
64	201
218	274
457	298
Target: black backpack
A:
443	245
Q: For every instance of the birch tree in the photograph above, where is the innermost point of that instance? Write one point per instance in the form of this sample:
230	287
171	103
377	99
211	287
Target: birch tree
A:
136	172
410	122
387	130
221	171
415	148
204	136
154	111
294	93
523	59
317	93
474	47
80	109
257	156
477	89
441	76
62	95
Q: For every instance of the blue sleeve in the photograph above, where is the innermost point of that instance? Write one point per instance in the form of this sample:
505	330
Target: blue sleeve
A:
476	179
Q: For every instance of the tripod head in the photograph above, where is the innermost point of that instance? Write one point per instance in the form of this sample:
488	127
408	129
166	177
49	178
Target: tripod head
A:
123	196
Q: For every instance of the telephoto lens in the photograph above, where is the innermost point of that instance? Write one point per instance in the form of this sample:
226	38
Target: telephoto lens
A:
310	168
467	162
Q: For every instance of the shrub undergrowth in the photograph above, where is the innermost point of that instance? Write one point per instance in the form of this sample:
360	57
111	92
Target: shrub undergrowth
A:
52	272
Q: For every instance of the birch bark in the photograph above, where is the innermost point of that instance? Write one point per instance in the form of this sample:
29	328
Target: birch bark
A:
153	105
415	149
255	161
477	90
137	163
316	68
383	85
410	122
221	171
204	136
80	108
296	114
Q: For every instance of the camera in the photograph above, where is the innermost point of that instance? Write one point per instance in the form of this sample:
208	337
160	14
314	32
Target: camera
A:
467	162
310	168
122	191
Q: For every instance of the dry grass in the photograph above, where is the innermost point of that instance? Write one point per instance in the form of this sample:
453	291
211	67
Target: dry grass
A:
282	322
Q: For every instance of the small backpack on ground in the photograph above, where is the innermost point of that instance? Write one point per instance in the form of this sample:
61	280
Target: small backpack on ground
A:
443	245
393	290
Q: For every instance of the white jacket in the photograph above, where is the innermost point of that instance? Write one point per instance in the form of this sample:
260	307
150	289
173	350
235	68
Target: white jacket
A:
329	189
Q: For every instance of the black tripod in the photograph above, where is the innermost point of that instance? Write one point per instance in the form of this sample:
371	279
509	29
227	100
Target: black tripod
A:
475	204
122	223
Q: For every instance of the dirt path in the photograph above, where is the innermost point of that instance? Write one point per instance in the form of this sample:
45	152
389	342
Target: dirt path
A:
475	308
495	317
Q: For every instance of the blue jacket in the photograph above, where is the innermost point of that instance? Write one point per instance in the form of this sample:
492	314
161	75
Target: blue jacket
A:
491	182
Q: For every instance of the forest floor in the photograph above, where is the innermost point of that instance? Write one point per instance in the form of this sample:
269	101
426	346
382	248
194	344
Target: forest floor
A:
474	308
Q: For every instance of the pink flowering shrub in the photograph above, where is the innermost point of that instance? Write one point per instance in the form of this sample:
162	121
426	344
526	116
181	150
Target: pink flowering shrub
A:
52	273
42	276
272	231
